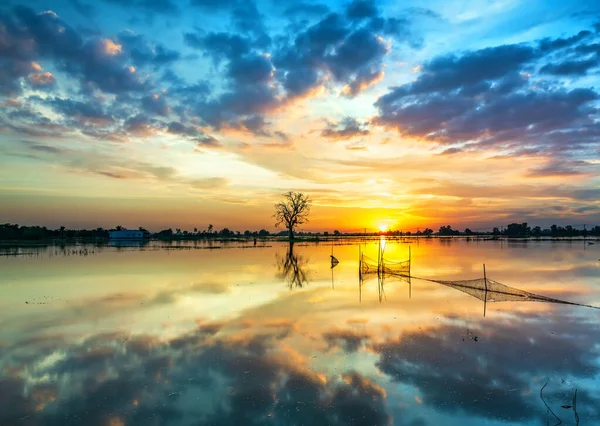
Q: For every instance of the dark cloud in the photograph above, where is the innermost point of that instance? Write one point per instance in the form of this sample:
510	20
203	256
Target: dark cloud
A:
588	209
332	47
472	71
155	104
149	7
281	136
177	128
194	133
250	69
83	112
488	98
573	68
22	120
422	11
142	52
549	44
219	46
17	52
396	27
247	19
348	128
96	62
252	90
43	148
559	169
348	340
141	125
361	9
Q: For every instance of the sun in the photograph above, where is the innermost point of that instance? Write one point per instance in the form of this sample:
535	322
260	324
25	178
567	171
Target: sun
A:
383	227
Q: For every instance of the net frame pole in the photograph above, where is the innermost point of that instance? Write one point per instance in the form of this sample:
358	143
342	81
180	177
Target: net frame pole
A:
332	285
359	274
409	279
486	290
409	259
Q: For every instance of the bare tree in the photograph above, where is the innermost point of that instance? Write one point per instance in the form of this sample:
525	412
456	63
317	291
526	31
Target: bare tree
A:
293	210
292	268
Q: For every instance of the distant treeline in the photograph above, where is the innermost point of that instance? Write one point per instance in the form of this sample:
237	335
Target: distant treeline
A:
521	230
514	230
10	231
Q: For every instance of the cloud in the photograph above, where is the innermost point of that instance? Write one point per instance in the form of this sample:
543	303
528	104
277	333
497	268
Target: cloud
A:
331	48
43	80
470	71
548	44
348	340
248	20
348	128
84	113
141	126
149	7
488	99
562	169
361	9
43	148
155	104
449	369
210	183
256	383
580	67
143	52
98	62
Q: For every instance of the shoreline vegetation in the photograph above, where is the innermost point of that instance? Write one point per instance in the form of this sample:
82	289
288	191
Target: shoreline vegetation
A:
13	233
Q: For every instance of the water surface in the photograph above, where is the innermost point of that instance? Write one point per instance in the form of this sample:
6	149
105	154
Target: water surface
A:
232	334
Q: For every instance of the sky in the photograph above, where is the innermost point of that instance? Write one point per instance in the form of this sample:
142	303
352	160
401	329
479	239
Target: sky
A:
185	113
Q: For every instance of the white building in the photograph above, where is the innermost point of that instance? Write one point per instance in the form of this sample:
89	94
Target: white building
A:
126	234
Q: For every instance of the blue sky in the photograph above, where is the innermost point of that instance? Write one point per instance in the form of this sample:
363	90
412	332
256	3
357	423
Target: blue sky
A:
183	113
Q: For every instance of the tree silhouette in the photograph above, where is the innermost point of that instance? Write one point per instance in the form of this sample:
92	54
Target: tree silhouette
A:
293	210
291	268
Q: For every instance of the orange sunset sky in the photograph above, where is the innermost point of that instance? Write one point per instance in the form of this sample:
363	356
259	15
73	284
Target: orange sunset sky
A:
388	115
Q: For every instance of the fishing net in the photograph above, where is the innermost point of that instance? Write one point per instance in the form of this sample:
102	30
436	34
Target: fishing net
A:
483	289
368	266
385	268
492	291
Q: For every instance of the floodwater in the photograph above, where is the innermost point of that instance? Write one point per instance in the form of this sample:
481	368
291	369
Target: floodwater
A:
232	334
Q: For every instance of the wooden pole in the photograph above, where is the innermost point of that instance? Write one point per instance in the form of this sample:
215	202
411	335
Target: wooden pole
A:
332	286
485	278
486	290
409	279
409	261
359	274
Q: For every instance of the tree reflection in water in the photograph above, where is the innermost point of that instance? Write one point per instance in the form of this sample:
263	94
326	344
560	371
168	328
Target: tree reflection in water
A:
292	268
